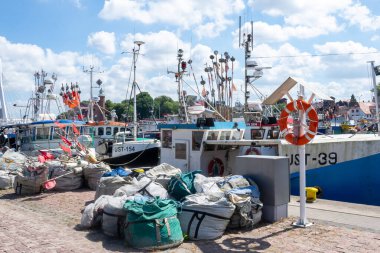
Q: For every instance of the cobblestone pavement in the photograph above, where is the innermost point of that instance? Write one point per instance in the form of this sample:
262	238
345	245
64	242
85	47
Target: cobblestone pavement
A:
49	223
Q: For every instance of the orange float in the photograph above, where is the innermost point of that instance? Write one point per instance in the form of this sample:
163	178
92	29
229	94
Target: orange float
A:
313	125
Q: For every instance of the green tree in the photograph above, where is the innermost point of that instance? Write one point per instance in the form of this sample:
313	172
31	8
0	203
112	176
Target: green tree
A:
165	105
144	105
353	101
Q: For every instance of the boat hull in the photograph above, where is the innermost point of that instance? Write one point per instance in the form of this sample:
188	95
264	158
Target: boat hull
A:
346	168
145	158
354	181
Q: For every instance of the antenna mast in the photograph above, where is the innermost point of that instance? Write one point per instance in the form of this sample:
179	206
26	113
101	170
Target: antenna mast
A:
90	114
182	110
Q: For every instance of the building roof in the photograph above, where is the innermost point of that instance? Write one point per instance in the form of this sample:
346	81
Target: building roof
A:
366	107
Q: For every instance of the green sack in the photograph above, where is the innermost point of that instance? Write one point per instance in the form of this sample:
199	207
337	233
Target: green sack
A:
182	185
152	224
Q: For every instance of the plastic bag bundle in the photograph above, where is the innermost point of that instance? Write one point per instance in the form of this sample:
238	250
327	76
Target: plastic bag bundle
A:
208	185
152	224
163	173
182	185
68	182
108	185
113	220
204	218
144	186
248	210
233	182
6	180
93	173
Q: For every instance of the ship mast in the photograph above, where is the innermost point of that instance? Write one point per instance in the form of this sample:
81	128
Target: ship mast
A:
182	110
135	56
4	112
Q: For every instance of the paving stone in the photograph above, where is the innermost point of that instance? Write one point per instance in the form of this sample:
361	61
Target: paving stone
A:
47	223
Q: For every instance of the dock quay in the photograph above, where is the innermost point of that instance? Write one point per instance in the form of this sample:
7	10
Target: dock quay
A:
49	223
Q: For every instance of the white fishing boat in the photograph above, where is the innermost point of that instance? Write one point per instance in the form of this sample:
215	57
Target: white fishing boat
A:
138	151
345	167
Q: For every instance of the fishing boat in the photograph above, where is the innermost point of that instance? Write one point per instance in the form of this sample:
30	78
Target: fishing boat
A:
38	128
345	167
131	151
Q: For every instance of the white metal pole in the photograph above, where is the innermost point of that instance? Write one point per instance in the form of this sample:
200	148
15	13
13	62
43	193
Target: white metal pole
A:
2	97
91	96
375	94
134	97
302	222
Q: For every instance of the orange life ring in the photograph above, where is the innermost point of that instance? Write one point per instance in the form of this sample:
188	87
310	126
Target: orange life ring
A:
252	150
215	167
311	114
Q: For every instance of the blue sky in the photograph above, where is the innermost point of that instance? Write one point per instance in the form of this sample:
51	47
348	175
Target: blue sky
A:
62	36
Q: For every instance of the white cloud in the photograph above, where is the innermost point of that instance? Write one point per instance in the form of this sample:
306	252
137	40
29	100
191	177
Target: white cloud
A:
103	41
375	38
337	75
301	19
201	16
358	14
309	19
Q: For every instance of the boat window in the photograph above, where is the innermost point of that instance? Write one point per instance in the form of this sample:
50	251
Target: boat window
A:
122	129
257	134
69	130
115	130
197	140
100	131
211	135
166	138
90	131
273	134
108	130
236	135
180	151
42	133
224	135
57	133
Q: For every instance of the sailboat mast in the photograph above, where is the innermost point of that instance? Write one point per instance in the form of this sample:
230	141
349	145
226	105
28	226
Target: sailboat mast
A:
135	53
4	112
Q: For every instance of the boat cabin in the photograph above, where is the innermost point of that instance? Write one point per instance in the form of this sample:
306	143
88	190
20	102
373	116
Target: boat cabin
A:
184	147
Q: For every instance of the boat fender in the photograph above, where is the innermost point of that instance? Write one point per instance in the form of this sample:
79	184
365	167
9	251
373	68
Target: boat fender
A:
215	167
313	125
252	151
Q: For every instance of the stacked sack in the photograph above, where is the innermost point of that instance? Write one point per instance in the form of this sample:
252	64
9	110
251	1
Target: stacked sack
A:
152	224
11	164
111	181
70	175
93	172
154	209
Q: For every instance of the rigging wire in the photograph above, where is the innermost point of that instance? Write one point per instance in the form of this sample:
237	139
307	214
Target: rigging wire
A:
314	55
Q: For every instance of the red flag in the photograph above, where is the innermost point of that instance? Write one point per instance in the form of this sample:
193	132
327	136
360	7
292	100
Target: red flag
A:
65	149
62	126
80	116
46	155
66	141
75	129
41	158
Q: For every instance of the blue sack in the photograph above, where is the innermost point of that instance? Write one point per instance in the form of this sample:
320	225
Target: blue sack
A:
116	172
